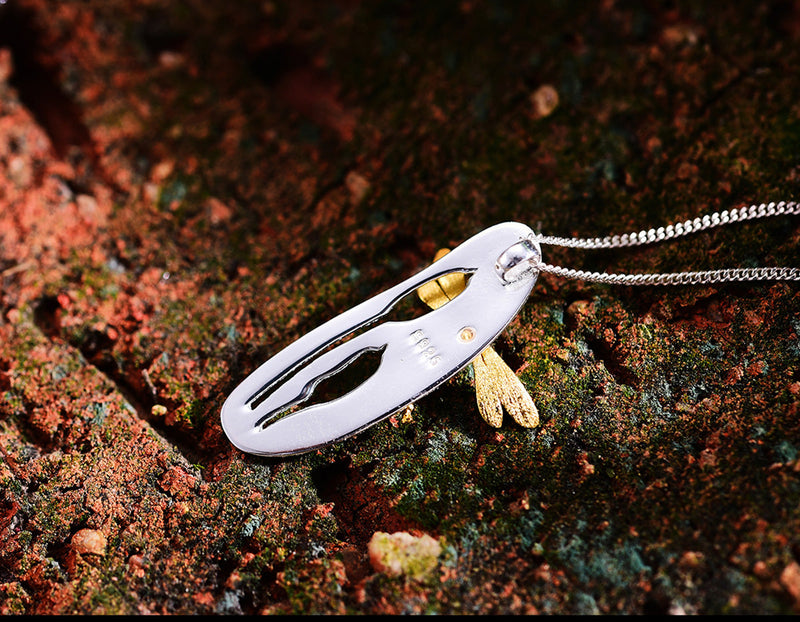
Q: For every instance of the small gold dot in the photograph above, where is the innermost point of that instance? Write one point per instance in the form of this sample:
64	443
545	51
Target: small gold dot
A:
467	334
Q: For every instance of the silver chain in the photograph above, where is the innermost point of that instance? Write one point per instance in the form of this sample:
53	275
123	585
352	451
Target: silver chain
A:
650	236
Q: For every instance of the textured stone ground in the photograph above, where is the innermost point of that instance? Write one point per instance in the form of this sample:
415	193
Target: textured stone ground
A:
189	186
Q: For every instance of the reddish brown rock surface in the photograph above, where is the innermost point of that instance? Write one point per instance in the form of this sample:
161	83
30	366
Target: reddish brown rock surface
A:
187	187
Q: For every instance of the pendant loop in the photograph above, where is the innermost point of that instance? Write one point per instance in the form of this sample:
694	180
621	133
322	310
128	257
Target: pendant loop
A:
519	261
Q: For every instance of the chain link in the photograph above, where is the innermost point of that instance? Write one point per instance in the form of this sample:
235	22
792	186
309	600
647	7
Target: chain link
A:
677	278
649	236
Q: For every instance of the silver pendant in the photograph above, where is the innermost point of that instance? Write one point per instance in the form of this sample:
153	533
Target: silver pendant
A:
417	355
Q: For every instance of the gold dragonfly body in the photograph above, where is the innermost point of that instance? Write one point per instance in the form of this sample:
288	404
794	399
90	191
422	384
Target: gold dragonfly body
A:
496	385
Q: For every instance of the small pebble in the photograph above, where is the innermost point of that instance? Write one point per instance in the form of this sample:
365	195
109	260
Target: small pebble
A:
89	541
544	101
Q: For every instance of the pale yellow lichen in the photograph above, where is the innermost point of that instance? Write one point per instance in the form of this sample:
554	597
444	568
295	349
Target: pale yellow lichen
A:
158	410
401	553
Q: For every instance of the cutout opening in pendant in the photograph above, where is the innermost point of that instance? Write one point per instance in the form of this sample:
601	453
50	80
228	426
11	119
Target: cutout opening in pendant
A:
434	293
332	385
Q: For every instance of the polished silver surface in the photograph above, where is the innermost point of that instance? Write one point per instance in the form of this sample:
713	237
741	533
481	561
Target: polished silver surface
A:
417	355
519	261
